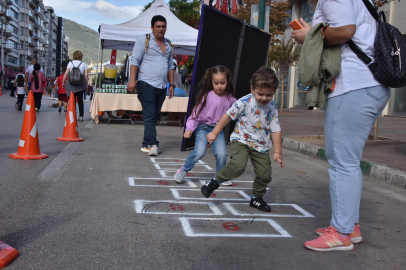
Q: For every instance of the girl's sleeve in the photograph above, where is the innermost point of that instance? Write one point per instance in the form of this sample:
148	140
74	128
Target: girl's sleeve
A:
235	109
192	123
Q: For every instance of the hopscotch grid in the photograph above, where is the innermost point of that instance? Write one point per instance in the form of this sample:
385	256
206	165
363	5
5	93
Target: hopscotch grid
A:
139	206
235	212
242	193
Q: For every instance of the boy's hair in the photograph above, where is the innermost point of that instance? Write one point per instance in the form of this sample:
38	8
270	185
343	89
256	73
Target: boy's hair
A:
206	85
264	77
20	80
157	18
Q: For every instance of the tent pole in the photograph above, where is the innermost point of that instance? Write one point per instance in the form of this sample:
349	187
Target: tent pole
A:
97	64
101	67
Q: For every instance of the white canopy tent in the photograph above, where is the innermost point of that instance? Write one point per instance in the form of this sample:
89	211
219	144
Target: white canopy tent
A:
123	36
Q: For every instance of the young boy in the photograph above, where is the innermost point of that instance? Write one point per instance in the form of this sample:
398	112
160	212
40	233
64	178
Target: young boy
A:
257	120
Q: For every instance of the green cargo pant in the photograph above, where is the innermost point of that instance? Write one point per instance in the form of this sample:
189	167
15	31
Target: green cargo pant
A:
238	161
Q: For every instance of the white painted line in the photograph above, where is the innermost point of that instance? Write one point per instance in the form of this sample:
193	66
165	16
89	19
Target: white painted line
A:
242	193
132	182
139	206
157	166
208	167
235	212
154	160
187	228
231	187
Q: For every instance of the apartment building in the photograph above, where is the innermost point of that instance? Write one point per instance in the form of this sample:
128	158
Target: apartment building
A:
294	97
30	29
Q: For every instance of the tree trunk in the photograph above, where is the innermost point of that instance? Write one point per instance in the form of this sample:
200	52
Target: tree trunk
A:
282	85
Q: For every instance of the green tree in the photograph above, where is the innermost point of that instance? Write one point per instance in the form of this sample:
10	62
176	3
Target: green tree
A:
281	56
186	11
147	6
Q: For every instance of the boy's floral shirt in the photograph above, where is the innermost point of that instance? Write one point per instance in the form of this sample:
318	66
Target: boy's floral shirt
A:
254	123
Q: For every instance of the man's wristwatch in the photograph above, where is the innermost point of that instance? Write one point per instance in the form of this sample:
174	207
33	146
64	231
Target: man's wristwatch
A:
172	85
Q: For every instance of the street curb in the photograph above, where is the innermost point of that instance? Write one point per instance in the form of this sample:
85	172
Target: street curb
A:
368	168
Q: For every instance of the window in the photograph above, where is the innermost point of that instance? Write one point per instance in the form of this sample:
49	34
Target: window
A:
307	12
13	14
12	60
13	29
12	44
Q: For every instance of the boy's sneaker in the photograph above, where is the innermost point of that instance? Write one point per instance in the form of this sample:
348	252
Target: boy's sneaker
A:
154	151
355	235
260	204
208	188
179	175
228	183
146	149
60	109
331	240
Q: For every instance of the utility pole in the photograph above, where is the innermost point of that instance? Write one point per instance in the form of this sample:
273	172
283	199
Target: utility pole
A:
261	15
3	66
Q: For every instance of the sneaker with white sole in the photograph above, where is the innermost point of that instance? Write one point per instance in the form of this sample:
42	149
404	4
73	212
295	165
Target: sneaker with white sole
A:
331	240
154	151
356	237
208	188
260	204
146	149
228	183
179	175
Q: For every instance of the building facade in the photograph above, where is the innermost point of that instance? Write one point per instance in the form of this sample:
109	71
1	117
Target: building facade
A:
295	97
29	29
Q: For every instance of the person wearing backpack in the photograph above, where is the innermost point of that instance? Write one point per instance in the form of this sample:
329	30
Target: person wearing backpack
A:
351	110
78	79
38	84
152	59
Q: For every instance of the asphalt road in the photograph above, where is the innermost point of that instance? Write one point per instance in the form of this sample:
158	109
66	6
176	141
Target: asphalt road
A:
103	204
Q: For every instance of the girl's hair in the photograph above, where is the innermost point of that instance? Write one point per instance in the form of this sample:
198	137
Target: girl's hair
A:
206	85
264	77
20	81
37	68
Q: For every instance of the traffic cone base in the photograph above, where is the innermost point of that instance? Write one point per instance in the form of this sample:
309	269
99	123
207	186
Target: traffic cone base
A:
70	131
28	147
7	254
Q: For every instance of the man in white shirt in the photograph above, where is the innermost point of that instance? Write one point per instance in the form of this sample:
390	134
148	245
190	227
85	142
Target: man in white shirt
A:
29	70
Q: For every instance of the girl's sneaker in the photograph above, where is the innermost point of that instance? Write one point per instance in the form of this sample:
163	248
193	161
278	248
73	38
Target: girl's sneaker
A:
355	235
330	241
179	175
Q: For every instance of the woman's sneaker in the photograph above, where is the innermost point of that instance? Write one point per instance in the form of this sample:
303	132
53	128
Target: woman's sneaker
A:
355	235
260	204
331	240
179	175
208	188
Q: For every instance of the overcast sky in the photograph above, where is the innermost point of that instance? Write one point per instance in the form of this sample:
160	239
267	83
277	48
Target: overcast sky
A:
92	13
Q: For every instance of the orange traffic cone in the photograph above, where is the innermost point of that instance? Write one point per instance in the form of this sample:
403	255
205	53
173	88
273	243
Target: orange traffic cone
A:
7	254
0	92
70	132
28	147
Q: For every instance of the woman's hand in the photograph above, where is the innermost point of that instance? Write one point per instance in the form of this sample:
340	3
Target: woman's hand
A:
299	35
187	134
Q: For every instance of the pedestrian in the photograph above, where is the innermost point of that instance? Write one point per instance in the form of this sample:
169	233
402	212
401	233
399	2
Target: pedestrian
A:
91	91
351	110
49	88
176	76
215	97
29	70
12	88
21	86
38	83
77	89
152	60
62	97
257	118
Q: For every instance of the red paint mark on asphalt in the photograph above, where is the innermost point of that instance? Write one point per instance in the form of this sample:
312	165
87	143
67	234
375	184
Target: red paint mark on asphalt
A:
213	195
163	182
231	226
234	184
176	160
176	207
190	174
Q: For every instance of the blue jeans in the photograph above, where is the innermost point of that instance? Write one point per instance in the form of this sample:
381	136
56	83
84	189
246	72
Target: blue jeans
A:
151	99
348	122
218	147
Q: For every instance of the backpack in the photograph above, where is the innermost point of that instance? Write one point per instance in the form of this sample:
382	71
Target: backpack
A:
147	43
389	68
75	77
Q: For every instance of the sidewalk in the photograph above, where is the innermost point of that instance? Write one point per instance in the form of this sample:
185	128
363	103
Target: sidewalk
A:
384	159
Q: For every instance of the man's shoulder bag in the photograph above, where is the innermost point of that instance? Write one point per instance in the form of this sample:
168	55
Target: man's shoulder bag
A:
389	67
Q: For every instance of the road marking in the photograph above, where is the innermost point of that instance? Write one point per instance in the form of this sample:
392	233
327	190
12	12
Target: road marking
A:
54	170
132	182
187	228
139	206
235	212
242	193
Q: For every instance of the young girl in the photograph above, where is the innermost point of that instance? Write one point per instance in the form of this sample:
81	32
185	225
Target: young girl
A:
21	90
257	121
214	99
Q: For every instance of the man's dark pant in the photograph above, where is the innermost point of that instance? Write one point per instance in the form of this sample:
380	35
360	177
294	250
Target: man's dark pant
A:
151	99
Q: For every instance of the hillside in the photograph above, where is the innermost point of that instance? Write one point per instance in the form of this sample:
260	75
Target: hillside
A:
85	40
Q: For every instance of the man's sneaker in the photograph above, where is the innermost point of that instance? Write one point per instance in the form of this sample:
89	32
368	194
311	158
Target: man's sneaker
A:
16	106
146	149
154	151
228	183
179	175
36	109
331	240
208	188
60	109
355	235
260	204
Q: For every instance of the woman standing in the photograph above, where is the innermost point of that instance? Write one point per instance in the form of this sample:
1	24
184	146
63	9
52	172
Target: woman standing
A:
38	83
78	90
